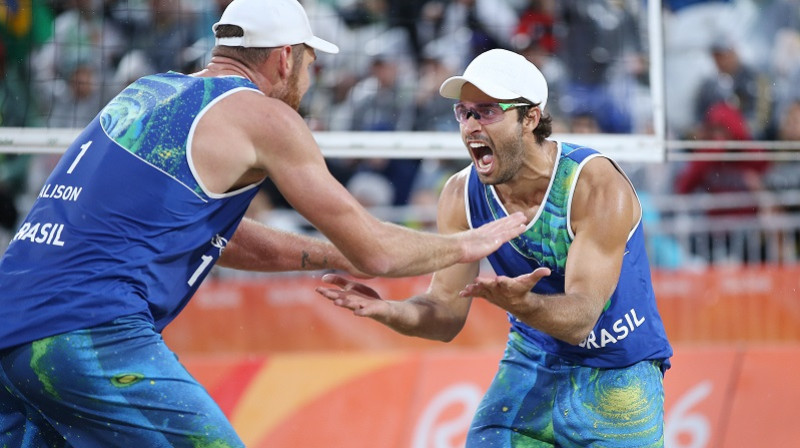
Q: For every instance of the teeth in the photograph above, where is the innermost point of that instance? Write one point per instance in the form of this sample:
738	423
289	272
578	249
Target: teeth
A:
476	145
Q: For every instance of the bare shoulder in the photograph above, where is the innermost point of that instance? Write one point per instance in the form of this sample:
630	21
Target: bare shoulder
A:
602	175
252	113
236	139
602	171
255	126
603	194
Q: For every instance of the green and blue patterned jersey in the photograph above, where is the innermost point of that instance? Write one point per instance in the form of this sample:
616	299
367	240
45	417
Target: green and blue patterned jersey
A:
630	328
122	226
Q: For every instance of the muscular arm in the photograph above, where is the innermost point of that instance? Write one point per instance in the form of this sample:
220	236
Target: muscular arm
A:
296	166
604	211
247	136
256	247
439	313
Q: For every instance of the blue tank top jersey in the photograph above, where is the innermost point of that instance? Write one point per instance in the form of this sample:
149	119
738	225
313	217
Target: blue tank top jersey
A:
122	225
630	328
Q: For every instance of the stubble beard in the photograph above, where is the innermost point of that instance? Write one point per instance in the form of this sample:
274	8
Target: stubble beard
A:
294	95
509	160
291	94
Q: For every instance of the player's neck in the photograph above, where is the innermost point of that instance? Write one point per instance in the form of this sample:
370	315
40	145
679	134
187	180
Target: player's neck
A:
222	66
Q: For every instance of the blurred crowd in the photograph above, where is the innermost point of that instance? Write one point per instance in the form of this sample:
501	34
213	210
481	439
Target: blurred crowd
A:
732	70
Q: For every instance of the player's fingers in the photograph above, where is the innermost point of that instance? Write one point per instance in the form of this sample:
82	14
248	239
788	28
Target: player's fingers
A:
538	274
328	293
363	289
472	290
508	227
349	285
339	298
484	287
335	279
344	283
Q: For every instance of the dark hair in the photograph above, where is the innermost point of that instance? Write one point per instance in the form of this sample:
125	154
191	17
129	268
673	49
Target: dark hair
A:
545	127
248	56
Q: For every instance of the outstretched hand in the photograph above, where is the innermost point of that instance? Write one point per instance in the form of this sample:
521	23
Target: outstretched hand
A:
505	292
480	242
357	297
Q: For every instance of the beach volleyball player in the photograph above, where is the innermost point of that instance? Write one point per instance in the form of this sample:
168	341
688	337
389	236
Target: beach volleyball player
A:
158	183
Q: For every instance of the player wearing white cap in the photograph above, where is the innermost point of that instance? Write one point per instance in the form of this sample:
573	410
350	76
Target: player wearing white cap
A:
140	207
587	349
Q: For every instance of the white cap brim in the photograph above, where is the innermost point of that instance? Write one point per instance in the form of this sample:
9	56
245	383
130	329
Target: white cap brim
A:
451	88
322	45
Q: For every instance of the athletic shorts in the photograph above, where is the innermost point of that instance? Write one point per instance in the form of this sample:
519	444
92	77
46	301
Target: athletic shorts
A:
115	385
539	400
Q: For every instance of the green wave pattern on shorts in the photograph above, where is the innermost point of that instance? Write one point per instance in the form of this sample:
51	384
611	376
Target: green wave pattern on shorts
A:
538	400
145	395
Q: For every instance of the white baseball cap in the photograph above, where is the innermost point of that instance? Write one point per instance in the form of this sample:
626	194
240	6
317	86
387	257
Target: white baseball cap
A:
501	74
269	24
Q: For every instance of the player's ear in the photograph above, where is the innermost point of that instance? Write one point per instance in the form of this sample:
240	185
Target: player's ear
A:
532	116
285	61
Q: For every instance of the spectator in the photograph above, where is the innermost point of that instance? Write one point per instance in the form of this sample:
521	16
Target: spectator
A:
770	18
535	38
167	36
382	102
208	12
127	16
723	122
785	71
429	24
607	31
172	33
432	111
690	26
739	84
80	34
789	129
75	100
471	27
783	176
204	14
371	189
353	38
404	14
584	122
22	31
537	24
131	67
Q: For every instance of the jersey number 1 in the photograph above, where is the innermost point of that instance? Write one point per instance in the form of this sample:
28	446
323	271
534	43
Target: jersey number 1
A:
203	265
84	147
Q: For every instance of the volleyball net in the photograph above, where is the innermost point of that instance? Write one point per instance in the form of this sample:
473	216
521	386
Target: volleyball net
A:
370	40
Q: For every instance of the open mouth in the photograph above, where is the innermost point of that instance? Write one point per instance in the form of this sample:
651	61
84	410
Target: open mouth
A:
483	156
